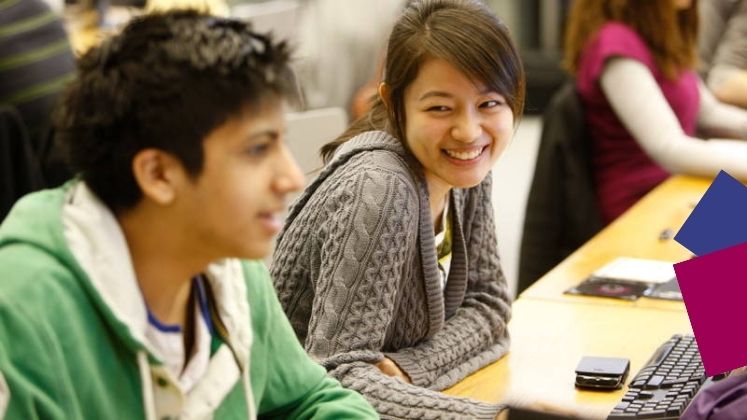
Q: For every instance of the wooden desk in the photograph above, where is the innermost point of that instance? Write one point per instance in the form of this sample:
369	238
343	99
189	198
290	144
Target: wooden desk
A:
551	331
548	340
635	234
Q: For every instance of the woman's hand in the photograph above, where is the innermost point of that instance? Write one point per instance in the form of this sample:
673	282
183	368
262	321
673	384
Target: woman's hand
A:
388	367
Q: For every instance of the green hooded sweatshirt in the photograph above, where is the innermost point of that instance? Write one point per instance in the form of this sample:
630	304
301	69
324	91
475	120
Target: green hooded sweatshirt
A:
72	324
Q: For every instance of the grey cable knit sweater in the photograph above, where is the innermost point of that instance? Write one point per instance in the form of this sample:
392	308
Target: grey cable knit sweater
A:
356	272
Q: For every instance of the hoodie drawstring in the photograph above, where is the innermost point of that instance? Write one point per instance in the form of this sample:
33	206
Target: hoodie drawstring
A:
146	380
4	396
252	412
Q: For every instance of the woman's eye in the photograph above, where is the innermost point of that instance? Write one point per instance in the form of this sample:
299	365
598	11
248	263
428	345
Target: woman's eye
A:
438	108
491	104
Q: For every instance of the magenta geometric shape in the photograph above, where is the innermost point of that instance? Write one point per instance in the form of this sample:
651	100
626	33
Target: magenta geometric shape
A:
714	288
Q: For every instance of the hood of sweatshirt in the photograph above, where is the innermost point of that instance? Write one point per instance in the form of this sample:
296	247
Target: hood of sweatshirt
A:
74	226
81	233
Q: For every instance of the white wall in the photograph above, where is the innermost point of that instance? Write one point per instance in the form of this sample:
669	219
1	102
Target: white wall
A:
511	178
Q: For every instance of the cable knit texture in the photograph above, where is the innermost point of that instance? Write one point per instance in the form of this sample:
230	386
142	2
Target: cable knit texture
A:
356	272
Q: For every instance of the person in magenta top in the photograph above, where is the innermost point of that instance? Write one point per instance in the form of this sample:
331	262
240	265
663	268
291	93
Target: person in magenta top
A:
643	102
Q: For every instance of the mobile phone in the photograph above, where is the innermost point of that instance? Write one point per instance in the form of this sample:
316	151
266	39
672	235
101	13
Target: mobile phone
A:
602	372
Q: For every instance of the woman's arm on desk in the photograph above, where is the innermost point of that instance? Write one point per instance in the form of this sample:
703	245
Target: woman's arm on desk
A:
640	105
718	119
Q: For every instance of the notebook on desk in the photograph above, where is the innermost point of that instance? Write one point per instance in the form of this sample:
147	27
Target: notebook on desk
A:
667	291
630	278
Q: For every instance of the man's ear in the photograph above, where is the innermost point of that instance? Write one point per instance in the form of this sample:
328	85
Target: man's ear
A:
386	95
158	174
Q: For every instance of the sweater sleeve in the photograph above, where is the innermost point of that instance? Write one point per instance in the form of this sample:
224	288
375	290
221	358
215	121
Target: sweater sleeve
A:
476	334
653	124
367	244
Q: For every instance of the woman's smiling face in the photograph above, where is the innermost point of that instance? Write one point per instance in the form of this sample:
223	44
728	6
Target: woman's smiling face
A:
455	128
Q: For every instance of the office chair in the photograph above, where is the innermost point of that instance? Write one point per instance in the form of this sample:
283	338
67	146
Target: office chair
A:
561	212
308	131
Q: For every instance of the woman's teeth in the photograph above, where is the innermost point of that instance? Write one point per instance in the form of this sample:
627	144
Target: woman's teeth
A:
464	155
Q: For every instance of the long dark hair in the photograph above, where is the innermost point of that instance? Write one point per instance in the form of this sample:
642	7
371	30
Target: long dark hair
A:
670	34
466	34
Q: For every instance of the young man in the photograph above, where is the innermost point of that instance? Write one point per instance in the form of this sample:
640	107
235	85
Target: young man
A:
121	295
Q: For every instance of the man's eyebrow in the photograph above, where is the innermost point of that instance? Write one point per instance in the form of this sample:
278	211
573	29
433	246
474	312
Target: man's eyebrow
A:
272	133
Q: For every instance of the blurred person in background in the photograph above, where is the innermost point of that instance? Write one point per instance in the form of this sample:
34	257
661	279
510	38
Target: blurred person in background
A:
647	112
722	49
340	49
36	62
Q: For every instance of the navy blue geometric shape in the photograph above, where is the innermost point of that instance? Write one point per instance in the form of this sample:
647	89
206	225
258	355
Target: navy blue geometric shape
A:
719	220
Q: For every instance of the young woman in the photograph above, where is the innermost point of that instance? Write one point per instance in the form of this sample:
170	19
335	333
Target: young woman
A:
388	265
634	64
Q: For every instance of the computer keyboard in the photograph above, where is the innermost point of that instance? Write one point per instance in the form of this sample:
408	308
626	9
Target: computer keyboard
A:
666	384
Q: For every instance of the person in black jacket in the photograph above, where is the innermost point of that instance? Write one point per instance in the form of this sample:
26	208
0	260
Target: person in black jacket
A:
36	63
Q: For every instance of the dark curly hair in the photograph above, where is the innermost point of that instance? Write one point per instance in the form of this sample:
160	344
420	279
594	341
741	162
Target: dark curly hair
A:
166	81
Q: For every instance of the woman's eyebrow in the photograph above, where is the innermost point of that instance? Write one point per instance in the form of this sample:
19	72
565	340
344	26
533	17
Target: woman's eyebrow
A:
435	93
